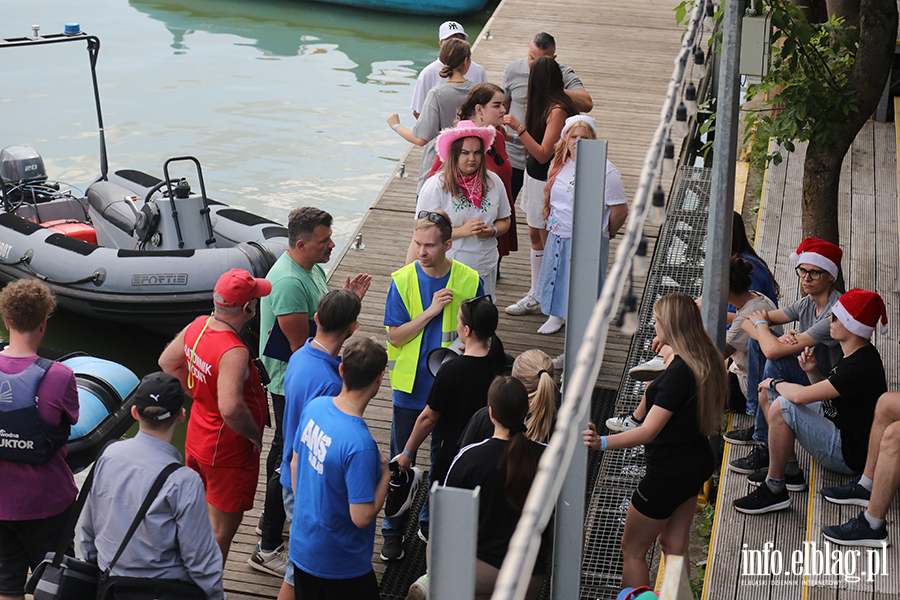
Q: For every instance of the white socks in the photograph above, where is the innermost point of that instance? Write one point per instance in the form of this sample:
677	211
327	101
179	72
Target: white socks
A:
873	522
865	483
537	258
552	325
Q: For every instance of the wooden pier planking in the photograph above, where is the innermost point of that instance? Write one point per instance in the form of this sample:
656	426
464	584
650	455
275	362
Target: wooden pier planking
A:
868	227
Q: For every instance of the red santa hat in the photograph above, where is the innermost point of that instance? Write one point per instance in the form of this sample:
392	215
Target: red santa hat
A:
859	311
819	253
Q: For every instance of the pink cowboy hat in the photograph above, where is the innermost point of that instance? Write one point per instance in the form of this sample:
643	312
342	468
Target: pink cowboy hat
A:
463	129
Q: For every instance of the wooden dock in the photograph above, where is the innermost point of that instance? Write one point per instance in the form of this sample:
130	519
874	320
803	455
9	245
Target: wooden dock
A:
623	54
869	238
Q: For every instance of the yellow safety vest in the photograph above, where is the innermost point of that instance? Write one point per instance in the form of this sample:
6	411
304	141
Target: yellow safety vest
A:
402	361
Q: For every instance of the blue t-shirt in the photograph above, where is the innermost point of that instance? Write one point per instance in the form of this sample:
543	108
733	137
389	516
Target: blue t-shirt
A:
338	464
311	373
395	314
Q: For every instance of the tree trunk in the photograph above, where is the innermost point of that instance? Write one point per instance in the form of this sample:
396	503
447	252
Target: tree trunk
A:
822	167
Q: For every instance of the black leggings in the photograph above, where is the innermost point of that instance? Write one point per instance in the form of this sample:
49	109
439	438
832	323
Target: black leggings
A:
274	517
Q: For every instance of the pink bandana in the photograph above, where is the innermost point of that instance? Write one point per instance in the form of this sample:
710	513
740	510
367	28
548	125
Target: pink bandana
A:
471	187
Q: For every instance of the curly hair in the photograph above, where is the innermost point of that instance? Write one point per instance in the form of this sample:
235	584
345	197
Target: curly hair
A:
25	304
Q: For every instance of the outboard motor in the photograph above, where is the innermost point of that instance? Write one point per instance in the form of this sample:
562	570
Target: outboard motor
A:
21	164
23	177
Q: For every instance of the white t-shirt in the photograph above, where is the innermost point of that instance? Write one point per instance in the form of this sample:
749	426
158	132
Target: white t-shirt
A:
737	338
431	77
478	254
562	199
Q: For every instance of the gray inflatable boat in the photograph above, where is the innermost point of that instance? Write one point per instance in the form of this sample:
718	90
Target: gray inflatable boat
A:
134	248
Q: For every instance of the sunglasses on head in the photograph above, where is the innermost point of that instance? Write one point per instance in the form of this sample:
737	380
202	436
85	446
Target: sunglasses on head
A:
498	160
433	217
469	301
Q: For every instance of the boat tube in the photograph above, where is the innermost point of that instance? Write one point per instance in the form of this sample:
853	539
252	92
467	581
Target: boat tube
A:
105	398
134	248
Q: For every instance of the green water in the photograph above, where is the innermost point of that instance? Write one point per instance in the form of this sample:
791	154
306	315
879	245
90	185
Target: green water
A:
283	101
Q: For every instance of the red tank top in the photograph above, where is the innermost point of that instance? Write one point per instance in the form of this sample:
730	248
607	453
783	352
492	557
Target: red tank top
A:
209	439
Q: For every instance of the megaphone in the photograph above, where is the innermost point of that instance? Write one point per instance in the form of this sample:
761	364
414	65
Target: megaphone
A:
438	356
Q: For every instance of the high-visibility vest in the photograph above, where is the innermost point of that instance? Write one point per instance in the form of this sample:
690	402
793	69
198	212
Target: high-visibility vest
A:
402	361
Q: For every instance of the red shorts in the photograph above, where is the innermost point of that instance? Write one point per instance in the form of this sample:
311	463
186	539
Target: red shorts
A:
229	489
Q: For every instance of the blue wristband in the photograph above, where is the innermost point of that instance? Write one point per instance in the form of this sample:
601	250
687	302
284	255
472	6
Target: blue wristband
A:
515	137
395	127
407	452
755	323
603	442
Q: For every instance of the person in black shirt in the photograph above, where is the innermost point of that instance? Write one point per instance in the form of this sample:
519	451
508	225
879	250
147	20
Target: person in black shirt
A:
460	387
534	369
504	466
685	404
831	417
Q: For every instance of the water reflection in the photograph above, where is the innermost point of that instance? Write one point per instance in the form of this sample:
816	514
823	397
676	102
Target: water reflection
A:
286	29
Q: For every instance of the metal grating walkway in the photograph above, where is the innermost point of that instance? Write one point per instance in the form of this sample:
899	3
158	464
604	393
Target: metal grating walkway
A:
677	266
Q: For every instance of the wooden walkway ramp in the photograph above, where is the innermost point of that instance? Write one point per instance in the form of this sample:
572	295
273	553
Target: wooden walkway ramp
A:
869	238
627	78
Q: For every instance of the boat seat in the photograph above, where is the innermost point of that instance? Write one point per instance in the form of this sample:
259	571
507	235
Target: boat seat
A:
108	200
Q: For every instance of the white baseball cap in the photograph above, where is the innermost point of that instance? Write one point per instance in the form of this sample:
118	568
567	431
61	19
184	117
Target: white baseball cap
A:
449	28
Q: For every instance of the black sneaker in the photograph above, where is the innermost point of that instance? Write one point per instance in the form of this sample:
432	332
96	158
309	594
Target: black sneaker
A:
392	548
793	483
857	532
741	437
757	460
851	493
762	500
402	490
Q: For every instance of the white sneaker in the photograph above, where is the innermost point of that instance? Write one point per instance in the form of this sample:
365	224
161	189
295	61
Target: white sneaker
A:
273	563
524	306
419	589
648	371
622	423
559	362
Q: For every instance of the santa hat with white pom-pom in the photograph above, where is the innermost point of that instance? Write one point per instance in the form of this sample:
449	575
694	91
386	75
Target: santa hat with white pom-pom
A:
859	311
818	253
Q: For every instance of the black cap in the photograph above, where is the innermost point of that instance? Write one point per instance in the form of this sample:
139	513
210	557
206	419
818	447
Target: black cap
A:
159	389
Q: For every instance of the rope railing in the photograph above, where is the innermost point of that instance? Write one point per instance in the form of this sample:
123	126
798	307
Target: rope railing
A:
515	573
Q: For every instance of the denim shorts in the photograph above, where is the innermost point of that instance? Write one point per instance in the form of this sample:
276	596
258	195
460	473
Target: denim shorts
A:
817	434
288	496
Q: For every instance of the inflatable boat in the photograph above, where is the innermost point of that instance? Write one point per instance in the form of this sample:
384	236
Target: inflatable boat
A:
105	398
133	248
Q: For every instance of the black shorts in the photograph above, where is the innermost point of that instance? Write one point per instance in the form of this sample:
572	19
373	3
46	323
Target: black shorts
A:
23	544
310	587
658	497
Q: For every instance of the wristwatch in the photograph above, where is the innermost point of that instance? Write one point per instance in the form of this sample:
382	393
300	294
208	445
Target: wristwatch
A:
774	383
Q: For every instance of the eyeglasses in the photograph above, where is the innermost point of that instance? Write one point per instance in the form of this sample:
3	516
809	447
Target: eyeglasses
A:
813	274
433	217
498	160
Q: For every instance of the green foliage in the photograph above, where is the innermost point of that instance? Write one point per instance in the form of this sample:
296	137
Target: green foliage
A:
811	67
698	581
704	529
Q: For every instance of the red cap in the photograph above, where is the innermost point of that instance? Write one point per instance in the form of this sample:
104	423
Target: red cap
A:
238	287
